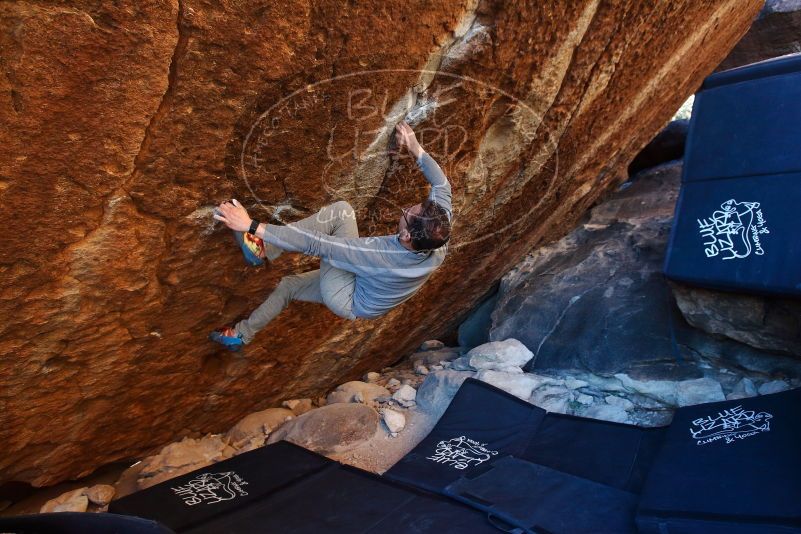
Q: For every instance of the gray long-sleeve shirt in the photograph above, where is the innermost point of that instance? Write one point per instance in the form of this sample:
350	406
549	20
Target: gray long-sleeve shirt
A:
386	273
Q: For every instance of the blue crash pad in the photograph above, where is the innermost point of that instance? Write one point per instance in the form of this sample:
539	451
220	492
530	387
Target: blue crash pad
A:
738	215
730	467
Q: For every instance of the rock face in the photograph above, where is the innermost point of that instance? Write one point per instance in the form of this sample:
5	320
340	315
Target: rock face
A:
474	330
125	122
596	301
258	426
666	146
768	323
774	33
182	457
330	429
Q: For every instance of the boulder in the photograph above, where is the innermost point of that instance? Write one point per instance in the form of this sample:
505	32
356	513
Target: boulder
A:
437	390
668	145
432	344
597	301
552	398
690	392
393	419
356	391
768	323
575	383
372	377
745	388
134	119
507	356
71	501
663	391
333	428
258	424
100	494
406	395
605	328
182	457
78	500
774	386
253	443
298	406
774	33
433	357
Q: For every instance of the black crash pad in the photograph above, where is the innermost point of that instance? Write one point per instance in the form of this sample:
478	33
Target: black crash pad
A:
728	467
737	218
284	488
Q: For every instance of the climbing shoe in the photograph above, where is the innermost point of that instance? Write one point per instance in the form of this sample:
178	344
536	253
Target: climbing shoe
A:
252	248
227	337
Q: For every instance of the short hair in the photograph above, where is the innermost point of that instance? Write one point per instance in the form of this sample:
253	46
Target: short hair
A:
431	228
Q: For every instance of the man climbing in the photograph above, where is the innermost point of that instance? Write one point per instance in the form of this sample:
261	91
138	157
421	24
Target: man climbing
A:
359	277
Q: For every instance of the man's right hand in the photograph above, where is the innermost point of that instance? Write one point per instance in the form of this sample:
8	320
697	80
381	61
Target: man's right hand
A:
404	135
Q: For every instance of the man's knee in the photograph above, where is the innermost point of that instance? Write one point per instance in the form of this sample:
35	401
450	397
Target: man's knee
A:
343	210
289	285
342	205
344	218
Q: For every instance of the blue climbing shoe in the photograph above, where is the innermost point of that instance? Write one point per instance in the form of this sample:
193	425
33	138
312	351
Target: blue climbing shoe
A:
228	338
252	248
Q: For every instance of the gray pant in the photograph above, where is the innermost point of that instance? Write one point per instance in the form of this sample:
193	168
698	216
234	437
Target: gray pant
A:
327	285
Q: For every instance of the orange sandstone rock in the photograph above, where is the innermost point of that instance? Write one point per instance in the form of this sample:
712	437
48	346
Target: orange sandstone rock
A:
124	123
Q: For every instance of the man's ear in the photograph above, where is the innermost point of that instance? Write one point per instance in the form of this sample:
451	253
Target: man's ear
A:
405	236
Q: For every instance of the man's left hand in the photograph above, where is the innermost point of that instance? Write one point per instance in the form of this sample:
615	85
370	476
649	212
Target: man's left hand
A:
233	215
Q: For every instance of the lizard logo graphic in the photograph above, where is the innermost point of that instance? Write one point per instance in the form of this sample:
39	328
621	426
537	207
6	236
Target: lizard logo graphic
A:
730	425
461	453
211	488
735	230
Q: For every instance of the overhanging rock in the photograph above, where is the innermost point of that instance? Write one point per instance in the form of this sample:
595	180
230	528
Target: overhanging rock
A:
126	122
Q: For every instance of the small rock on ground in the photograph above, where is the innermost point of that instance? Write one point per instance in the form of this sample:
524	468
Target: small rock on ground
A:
774	386
356	391
182	457
298	406
100	494
258	424
332	428
698	391
405	393
394	420
372	376
508	356
432	344
72	501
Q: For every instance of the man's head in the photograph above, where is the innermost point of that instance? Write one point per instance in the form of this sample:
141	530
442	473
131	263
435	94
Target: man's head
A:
424	226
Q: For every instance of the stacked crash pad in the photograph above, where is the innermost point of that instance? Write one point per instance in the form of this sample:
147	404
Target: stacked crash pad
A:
539	471
729	467
721	467
738	216
284	488
494	462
